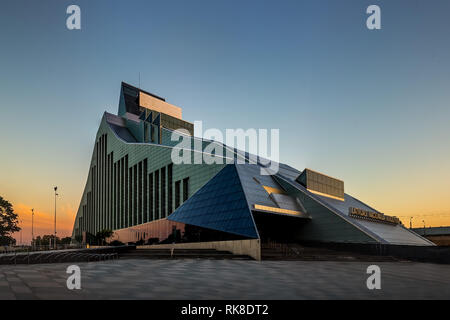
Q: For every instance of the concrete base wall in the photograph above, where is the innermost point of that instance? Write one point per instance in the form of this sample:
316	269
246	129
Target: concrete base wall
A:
251	248
440	240
430	254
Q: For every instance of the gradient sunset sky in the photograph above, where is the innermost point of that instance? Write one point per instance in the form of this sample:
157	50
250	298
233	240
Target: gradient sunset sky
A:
368	107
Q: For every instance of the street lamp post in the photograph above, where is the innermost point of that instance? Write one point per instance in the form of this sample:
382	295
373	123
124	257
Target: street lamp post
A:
21	228
410	222
32	228
56	194
423	227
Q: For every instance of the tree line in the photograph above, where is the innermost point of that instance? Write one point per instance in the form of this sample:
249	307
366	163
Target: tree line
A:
9	222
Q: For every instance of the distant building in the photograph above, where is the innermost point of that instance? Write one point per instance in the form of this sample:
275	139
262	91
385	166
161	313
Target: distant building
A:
134	189
438	235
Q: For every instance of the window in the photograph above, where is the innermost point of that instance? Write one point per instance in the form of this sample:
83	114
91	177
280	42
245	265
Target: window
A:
140	199
123	191
163	192
145	192
151	196
169	188
108	187
127	194
115	211
185	189
177	194
146	133
135	196
88	215
157	216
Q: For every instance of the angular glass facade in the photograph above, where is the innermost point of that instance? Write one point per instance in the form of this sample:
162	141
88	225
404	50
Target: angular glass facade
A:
219	205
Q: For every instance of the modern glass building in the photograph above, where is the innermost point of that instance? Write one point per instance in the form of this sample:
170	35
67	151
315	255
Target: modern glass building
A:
134	189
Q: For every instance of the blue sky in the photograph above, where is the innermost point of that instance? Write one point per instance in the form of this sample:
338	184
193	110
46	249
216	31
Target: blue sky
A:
369	107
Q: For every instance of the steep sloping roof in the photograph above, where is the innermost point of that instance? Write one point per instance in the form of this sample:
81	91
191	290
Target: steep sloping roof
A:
391	234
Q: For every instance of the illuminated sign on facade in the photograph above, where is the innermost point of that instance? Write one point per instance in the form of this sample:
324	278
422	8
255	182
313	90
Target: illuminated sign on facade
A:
371	215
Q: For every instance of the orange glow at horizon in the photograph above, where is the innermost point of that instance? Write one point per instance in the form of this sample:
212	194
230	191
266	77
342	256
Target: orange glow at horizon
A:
65	217
394	192
43	222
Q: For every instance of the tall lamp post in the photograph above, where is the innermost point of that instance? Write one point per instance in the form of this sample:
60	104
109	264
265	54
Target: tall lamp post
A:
410	222
21	228
32	228
423	227
56	194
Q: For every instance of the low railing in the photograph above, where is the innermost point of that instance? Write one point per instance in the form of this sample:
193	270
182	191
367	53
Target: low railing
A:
59	256
12	249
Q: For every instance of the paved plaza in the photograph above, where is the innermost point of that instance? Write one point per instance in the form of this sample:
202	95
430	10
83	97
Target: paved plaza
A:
225	279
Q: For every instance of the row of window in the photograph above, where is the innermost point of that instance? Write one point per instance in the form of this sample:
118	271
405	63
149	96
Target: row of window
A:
123	196
99	198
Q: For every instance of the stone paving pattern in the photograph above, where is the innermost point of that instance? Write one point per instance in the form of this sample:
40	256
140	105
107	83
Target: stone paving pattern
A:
225	279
